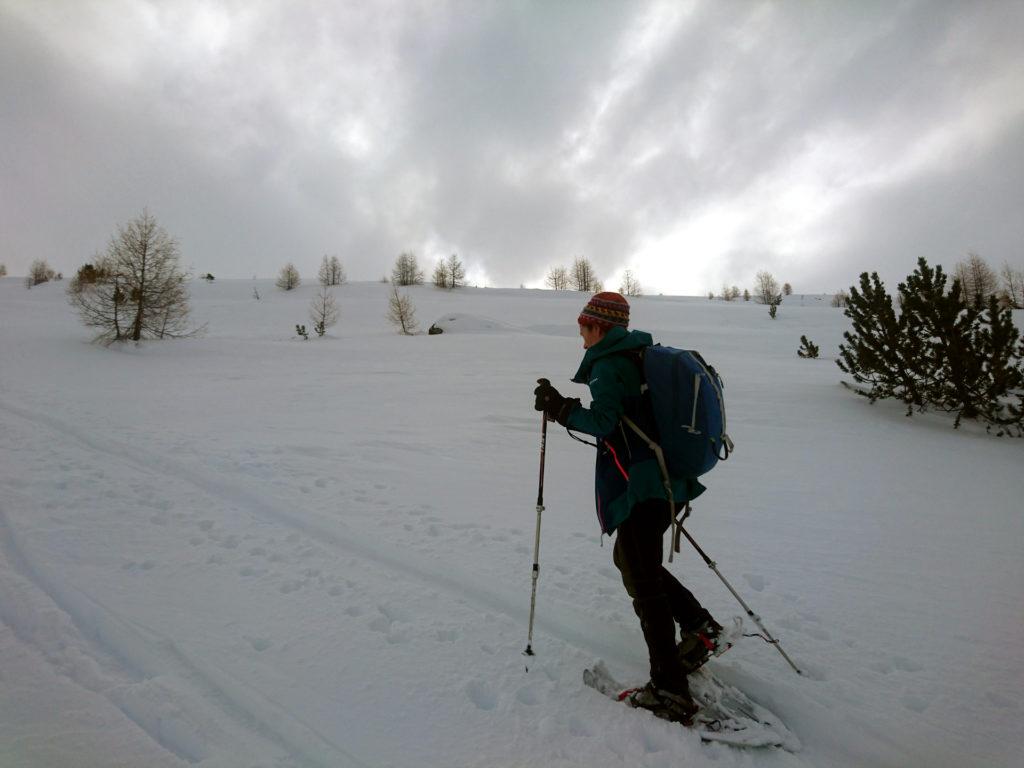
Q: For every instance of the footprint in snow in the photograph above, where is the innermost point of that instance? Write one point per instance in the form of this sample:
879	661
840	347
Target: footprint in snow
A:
904	664
145	565
914	703
817	633
1001	701
526	696
259	644
481	695
579	727
754	581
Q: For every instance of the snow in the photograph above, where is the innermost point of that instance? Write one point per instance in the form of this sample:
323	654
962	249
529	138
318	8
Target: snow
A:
252	550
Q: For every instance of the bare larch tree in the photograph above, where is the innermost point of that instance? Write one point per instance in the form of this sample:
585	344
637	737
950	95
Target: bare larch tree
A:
630	285
401	311
323	311
331	272
406	270
140	289
582	276
449	273
288	278
977	280
1013	286
558	279
766	289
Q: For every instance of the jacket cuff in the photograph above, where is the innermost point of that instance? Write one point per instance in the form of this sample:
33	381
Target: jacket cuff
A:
562	417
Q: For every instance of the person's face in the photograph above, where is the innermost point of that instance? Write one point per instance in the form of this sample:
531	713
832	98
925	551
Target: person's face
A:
591	335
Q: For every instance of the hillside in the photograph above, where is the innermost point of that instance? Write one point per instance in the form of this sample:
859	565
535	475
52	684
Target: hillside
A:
251	550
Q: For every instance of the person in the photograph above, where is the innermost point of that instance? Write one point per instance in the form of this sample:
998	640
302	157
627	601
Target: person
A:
632	502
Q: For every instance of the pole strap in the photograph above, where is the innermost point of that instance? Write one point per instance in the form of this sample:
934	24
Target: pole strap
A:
666	480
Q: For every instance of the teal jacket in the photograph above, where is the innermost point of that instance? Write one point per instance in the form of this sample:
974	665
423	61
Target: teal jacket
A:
626	472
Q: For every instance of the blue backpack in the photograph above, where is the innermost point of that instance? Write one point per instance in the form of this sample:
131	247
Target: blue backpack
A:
689	411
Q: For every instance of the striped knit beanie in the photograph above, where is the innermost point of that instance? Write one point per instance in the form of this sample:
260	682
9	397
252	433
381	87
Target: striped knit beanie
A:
605	310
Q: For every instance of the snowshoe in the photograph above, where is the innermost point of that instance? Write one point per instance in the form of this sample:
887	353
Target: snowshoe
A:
724	713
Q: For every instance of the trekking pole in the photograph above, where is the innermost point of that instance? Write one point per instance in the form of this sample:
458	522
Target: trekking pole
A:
757	619
536	539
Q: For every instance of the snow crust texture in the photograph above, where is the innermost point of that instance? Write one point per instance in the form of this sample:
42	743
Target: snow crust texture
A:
252	550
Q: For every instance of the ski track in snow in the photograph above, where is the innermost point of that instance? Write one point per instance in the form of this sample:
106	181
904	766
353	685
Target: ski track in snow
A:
348	541
145	654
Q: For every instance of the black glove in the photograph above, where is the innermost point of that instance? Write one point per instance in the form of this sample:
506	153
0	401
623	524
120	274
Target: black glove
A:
553	404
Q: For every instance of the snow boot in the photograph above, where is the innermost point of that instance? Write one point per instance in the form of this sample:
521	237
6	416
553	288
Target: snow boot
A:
675	706
698	644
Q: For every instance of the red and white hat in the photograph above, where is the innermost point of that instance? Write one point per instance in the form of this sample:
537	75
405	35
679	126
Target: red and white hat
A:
605	309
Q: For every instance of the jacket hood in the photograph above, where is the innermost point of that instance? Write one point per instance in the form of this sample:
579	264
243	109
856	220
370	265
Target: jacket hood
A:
617	340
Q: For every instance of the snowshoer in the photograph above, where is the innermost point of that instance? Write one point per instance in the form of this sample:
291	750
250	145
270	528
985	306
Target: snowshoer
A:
632	501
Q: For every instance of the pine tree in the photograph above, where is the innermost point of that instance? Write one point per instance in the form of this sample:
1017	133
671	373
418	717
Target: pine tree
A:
937	343
940	352
872	353
808	349
999	346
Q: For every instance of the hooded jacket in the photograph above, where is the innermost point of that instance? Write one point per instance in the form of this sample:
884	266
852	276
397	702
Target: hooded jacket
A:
626	472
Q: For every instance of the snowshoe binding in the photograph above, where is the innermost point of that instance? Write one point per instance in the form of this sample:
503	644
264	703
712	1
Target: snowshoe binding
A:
707	640
676	707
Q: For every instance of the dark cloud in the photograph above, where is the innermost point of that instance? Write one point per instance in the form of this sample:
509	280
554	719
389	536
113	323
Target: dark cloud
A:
696	142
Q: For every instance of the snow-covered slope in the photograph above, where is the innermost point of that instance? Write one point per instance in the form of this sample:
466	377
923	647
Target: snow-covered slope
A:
252	550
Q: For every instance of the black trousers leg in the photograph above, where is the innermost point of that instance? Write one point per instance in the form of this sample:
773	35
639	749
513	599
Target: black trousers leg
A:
658	598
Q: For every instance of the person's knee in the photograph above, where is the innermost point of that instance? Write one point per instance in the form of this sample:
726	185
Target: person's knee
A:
647	590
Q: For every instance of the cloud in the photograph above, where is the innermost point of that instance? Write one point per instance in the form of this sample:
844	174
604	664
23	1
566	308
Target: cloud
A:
694	142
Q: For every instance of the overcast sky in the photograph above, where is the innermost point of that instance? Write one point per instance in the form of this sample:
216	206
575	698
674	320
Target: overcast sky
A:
693	142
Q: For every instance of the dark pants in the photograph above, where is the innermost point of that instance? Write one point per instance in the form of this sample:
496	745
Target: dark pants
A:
659	600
